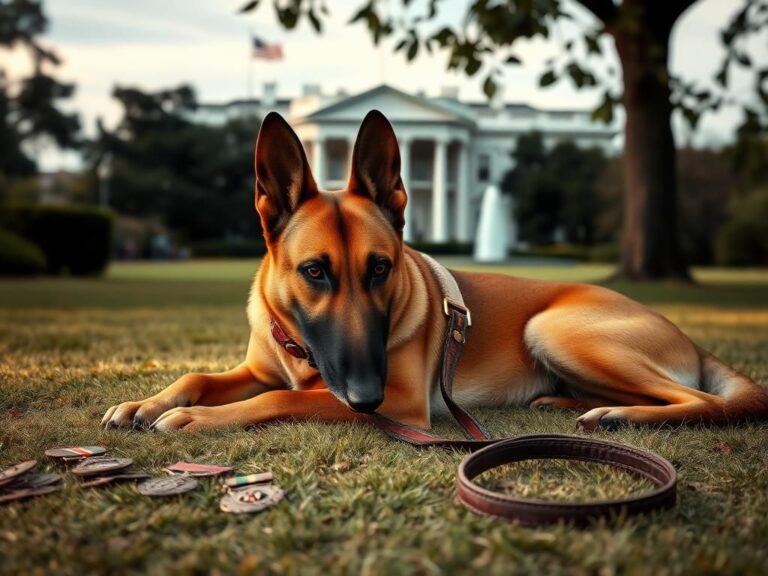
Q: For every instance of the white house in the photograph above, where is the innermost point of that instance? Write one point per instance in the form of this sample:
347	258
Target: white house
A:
450	150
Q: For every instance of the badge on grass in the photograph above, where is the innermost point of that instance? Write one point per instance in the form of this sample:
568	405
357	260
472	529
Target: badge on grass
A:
28	493
251	499
75	452
192	469
101	465
167	485
115	478
259	478
33	480
9	474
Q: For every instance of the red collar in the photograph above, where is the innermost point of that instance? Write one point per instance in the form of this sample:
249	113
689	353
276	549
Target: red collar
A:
290	345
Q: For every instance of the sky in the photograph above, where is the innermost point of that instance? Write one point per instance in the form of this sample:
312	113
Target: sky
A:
155	44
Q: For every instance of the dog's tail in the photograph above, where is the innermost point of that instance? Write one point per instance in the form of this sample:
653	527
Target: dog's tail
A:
742	397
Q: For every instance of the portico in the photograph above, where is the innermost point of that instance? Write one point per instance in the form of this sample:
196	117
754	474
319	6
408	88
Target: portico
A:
434	159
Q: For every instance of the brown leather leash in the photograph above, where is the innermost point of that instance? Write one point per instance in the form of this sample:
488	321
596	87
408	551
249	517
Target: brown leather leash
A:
488	454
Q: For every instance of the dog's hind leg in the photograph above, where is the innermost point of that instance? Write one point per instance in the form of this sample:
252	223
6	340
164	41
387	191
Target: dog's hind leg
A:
563	403
636	365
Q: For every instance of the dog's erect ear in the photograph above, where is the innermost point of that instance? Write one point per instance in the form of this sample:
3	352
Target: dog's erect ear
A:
376	168
283	177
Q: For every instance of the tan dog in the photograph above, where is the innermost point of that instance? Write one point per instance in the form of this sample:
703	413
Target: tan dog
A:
337	280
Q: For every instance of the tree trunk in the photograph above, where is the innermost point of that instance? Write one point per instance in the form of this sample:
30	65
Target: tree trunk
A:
651	243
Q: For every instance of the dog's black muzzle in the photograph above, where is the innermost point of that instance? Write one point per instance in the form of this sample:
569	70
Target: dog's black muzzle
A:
354	369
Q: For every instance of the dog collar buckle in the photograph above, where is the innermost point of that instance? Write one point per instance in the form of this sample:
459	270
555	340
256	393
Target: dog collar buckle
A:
290	345
449	305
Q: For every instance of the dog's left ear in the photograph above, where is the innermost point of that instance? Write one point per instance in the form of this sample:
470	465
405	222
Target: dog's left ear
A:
283	178
376	168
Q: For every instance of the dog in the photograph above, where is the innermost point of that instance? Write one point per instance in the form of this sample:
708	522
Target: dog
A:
346	320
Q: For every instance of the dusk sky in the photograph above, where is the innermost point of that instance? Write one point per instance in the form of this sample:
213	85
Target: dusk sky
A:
205	43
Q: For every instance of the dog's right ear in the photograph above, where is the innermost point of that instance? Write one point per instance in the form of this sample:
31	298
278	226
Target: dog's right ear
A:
283	178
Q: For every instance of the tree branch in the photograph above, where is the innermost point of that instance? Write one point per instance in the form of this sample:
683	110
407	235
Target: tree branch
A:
605	10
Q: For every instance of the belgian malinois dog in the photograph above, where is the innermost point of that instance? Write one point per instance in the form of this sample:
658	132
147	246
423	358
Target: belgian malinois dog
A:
346	320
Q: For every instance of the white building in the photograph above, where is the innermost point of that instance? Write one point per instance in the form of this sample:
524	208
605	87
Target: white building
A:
450	150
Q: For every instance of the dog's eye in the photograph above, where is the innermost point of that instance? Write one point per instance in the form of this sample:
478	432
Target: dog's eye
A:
313	272
380	269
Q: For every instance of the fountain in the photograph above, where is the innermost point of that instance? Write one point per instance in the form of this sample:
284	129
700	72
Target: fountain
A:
491	238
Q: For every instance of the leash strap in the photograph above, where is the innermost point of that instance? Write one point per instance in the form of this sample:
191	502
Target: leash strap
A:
488	453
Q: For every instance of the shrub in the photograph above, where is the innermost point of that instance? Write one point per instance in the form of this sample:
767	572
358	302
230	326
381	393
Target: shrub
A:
443	248
743	241
77	239
568	251
605	253
19	256
738	244
228	249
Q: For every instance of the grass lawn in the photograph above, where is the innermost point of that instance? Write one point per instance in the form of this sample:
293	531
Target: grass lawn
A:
356	501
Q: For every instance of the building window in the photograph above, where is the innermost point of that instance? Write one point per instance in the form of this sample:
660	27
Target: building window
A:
484	167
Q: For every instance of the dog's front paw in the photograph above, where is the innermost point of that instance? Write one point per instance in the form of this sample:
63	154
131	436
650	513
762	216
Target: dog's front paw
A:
135	414
188	419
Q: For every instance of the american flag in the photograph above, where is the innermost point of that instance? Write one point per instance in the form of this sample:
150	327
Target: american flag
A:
265	50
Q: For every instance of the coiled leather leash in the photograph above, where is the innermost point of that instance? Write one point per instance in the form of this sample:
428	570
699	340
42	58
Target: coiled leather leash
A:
488	453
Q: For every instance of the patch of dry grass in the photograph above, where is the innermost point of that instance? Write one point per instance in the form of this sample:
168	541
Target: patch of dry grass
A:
357	502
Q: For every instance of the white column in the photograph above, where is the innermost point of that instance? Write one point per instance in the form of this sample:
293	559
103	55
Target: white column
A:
462	194
440	193
405	174
319	161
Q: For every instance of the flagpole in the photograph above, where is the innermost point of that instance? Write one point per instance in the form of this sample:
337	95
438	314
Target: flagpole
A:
249	92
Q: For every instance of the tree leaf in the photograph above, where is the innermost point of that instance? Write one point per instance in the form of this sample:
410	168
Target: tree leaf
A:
473	65
593	46
315	21
549	77
489	87
248	6
722	76
361	14
604	112
743	58
413	50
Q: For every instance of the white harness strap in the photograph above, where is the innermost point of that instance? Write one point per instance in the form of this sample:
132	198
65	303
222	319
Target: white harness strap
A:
448	286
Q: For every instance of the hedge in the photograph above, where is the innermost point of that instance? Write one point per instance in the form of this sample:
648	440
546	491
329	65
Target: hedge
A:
742	243
75	239
228	248
19	256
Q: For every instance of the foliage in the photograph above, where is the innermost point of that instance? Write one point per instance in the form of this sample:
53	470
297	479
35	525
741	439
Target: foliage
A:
29	107
235	248
440	248
706	180
555	190
196	178
19	256
485	38
743	241
75	239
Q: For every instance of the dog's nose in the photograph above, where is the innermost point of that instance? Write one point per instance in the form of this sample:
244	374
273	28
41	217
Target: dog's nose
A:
364	404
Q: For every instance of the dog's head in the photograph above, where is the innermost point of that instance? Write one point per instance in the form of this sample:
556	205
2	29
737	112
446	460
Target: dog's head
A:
335	259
